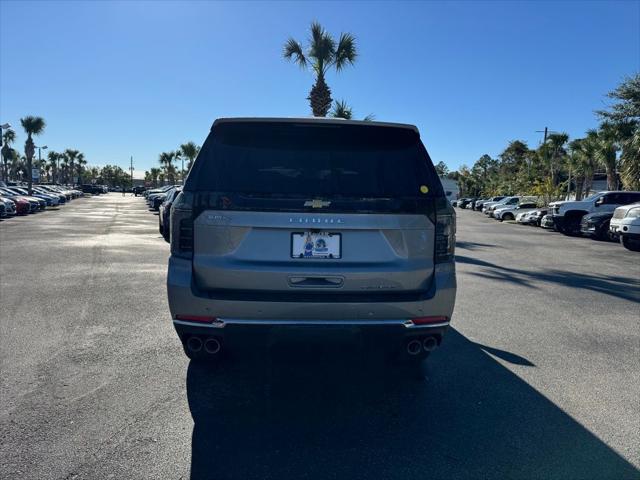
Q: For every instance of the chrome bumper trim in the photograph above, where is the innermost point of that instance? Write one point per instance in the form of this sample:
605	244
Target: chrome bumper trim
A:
222	322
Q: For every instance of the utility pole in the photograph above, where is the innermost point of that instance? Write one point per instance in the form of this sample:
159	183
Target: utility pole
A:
131	170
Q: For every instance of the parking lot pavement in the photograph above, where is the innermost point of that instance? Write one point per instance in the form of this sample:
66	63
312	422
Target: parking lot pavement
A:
539	378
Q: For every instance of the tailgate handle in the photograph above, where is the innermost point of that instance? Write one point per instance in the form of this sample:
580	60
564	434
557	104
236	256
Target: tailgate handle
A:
322	282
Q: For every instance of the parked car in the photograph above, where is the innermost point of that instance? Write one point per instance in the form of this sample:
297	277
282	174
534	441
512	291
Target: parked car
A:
165	213
567	215
24	205
269	230
596	225
547	222
533	217
138	190
486	201
505	202
49	199
10	208
625	224
43	201
509	212
462	202
36	203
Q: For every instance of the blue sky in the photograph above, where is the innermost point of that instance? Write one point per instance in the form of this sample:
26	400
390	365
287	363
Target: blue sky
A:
115	79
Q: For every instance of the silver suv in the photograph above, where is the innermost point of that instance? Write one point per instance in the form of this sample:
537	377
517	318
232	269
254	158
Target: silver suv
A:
311	225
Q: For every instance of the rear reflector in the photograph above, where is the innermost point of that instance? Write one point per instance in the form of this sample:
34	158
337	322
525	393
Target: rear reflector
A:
196	318
427	320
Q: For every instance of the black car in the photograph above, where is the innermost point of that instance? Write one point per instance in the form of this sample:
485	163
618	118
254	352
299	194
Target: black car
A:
596	225
165	212
463	202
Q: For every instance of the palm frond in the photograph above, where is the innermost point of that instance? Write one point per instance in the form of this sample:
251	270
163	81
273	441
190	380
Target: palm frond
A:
369	118
345	53
342	110
293	51
322	48
33	125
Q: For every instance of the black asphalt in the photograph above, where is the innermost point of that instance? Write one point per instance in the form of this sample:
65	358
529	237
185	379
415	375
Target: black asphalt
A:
538	378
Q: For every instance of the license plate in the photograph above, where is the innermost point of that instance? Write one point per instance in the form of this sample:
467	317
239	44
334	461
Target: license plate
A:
315	245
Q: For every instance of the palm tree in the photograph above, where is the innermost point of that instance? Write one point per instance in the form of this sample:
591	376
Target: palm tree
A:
72	155
8	137
322	54
342	110
65	166
80	164
53	158
189	150
154	173
32	126
606	151
166	160
630	161
555	145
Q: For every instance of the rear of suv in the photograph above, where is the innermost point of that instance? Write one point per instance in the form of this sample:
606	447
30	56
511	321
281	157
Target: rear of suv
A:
315	225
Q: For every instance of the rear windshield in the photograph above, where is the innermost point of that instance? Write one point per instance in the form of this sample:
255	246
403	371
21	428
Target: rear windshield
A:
302	160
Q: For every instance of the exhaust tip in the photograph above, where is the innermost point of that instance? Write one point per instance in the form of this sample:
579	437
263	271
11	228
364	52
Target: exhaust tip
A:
194	344
414	347
429	344
212	346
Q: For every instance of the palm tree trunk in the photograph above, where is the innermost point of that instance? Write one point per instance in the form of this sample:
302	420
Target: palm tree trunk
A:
579	185
29	150
320	97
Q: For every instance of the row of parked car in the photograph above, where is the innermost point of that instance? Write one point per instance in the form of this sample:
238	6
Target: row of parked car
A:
608	215
15	198
160	200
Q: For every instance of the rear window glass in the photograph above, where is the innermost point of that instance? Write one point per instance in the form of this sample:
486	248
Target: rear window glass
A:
291	160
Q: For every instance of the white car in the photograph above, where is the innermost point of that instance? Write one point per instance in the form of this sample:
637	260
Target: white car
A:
505	202
510	212
625	224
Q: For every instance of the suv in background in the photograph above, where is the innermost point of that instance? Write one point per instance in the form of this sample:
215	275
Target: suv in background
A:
311	225
568	215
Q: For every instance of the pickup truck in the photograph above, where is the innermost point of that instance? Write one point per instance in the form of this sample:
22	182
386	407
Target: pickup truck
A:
567	215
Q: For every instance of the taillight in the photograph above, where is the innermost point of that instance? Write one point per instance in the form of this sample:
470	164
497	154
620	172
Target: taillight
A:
182	225
445	231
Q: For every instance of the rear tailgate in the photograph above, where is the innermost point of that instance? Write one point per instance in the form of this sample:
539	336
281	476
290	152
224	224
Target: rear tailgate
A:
254	251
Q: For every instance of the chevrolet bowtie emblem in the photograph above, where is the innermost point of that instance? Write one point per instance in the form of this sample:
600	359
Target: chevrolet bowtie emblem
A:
316	203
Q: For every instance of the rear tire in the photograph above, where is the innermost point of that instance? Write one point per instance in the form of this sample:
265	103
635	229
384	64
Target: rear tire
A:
508	216
571	226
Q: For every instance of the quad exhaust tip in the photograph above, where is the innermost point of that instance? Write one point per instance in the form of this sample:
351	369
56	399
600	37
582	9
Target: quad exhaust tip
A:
212	346
194	344
429	344
414	347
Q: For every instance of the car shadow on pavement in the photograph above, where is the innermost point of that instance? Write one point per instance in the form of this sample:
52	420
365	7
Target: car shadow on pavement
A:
346	415
473	245
616	286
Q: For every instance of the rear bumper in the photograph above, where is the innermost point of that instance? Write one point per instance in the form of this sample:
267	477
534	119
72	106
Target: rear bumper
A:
243	315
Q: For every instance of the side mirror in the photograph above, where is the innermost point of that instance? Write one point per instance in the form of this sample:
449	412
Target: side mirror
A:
599	201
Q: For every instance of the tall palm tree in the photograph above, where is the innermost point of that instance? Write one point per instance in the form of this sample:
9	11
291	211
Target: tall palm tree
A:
322	54
189	151
65	166
32	126
8	137
630	161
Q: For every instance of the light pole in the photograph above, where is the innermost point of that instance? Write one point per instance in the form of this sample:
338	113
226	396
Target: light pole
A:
40	158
